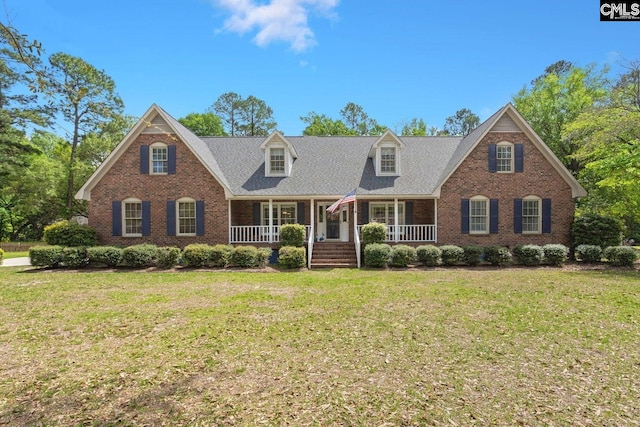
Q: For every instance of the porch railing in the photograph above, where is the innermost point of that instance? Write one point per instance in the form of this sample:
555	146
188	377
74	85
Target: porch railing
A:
410	233
258	233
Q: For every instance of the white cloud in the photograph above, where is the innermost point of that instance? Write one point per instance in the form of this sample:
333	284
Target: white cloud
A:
277	20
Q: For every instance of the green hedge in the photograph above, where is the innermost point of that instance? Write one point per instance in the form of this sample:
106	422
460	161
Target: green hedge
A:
292	257
377	255
589	254
68	233
374	232
167	257
138	256
620	256
428	255
110	256
497	255
451	254
530	255
1	255
292	235
598	230
472	255
249	257
402	256
46	256
196	255
75	257
555	254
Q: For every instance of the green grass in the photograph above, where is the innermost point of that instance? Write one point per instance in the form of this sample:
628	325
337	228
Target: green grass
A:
342	347
8	255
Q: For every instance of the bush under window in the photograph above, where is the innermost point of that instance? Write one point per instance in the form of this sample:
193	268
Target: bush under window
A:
428	255
377	255
451	254
291	257
402	256
589	254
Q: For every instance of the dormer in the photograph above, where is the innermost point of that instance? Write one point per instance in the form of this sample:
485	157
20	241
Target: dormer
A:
385	153
278	155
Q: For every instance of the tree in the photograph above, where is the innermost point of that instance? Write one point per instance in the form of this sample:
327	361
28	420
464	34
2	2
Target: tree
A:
357	120
228	106
257	118
418	127
322	125
203	124
461	123
85	96
555	99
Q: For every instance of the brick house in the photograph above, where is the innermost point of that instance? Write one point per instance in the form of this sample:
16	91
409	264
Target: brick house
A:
499	185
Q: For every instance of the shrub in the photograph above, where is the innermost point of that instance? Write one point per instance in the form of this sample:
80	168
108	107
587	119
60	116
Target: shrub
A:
262	257
1	255
292	235
472	255
291	257
428	255
244	256
67	233
108	255
167	257
555	254
374	232
219	255
517	251
137	256
75	257
589	254
530	255
620	256
599	230
402	256
451	254
196	255
46	256
377	255
497	255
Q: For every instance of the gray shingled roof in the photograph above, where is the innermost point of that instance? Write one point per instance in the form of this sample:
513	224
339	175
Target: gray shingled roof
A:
332	166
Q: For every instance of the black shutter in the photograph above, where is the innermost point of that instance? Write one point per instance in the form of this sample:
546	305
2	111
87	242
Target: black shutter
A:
493	216
256	213
408	213
519	157
546	215
171	159
464	214
200	218
116	218
364	207
517	216
171	218
144	159
493	158
146	218
300	213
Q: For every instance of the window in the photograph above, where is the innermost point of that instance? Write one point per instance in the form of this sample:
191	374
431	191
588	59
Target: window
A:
186	215
531	215
132	217
388	160
276	161
159	159
478	215
385	213
504	157
283	213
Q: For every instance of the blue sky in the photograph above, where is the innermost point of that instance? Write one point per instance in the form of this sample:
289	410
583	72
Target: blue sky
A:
397	59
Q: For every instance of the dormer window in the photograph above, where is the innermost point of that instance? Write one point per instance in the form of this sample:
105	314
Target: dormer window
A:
279	155
276	161
388	160
385	153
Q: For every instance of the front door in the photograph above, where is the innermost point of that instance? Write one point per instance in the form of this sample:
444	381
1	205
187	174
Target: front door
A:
333	226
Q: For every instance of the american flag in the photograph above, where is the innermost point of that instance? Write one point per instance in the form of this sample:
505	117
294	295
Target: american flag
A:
348	198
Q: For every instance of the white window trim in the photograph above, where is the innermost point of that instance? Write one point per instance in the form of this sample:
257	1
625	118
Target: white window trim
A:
151	147
387	205
379	149
487	216
195	210
265	205
513	155
124	217
287	160
529	199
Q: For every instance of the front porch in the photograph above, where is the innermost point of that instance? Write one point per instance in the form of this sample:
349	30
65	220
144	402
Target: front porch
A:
259	222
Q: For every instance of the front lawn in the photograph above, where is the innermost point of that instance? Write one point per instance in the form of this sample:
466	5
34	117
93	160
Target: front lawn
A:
342	347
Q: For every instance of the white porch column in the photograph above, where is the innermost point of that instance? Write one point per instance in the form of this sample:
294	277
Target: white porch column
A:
312	220
355	218
270	220
229	208
396	236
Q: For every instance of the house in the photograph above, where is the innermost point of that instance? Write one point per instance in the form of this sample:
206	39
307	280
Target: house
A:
499	185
